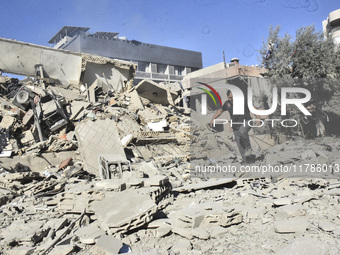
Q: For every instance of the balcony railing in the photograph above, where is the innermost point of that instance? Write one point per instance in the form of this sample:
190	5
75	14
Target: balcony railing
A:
158	76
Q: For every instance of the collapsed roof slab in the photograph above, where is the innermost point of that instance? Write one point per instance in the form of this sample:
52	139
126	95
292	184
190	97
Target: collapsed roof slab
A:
21	58
154	92
66	66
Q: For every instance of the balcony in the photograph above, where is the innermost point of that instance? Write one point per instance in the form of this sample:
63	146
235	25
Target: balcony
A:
158	76
334	18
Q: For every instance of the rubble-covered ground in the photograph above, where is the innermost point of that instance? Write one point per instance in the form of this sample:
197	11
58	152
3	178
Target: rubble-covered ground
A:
95	171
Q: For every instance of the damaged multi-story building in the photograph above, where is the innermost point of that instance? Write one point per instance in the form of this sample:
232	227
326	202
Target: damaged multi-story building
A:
155	62
331	26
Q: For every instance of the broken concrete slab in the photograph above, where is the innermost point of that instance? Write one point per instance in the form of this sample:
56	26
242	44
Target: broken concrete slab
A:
28	116
200	233
7	121
161	227
95	138
89	234
291	225
69	94
20	231
124	211
37	163
27	138
183	232
107	245
136	103
77	109
64	66
154	92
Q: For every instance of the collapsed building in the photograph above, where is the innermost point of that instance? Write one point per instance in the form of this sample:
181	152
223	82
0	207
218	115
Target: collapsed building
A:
91	164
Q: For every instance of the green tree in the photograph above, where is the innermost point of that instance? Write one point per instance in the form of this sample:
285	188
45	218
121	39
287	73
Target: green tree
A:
308	61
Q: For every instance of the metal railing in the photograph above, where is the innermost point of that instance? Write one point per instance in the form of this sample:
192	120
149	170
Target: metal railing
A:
158	76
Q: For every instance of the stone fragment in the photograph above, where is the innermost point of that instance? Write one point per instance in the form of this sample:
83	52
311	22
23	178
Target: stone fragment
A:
200	233
184	232
291	225
89	234
107	245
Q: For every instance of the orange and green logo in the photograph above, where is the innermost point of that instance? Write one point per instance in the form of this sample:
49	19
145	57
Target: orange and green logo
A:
209	93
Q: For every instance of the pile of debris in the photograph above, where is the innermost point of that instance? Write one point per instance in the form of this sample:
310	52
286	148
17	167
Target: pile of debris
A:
106	169
85	166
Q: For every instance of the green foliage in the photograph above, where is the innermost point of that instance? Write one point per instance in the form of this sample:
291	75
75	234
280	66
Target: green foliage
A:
309	61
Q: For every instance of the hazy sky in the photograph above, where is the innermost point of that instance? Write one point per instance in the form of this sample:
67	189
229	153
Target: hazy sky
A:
237	27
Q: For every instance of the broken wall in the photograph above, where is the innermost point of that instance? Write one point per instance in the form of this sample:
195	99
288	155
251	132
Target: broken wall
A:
20	58
66	66
108	74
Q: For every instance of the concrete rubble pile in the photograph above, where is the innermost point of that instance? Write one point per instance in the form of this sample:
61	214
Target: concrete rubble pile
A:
105	169
82	168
